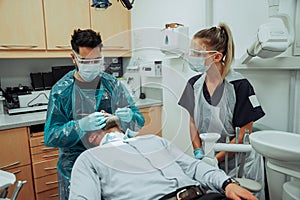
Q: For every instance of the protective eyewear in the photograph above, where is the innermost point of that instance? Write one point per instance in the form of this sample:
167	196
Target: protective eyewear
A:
80	60
200	53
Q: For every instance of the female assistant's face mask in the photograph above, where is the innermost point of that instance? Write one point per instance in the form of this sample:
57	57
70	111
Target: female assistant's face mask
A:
196	60
89	68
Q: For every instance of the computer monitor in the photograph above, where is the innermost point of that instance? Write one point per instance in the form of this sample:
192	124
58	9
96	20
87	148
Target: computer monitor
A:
59	71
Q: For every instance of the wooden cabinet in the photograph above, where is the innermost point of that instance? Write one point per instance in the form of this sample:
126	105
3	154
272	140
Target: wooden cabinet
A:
152	117
22	25
15	158
23	174
61	18
43	28
44	160
114	24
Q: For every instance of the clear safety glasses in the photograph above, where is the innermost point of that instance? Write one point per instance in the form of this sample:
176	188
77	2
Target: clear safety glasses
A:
200	53
80	60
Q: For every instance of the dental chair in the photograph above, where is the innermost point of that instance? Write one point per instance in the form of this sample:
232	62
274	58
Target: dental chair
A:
7	179
210	147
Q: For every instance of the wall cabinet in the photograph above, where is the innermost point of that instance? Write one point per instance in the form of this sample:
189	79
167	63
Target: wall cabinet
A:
114	26
43	28
61	18
15	158
22	25
153	123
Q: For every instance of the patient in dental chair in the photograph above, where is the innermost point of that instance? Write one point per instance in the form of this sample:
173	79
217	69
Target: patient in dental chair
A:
145	167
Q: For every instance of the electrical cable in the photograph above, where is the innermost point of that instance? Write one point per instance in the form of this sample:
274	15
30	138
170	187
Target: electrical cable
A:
37	104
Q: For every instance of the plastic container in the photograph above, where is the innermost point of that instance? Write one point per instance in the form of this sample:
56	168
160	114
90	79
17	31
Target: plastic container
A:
158	68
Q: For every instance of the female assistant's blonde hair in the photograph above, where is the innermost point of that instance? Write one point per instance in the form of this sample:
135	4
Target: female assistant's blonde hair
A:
220	39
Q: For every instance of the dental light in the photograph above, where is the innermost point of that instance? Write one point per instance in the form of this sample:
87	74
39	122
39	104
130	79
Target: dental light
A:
104	4
273	37
127	4
101	4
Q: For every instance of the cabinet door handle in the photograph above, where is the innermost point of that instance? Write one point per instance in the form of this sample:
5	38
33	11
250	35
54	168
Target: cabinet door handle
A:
50	168
51	155
16	172
10	165
63	46
19	46
53	195
47	148
51	182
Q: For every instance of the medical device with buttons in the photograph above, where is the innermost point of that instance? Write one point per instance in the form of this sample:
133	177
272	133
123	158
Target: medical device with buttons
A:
114	66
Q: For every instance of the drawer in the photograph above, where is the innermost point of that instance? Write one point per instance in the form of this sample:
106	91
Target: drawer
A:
23	174
46	183
44	168
48	195
36	141
45	156
14	148
41	149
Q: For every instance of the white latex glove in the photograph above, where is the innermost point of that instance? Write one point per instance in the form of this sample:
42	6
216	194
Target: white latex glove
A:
124	114
130	134
92	122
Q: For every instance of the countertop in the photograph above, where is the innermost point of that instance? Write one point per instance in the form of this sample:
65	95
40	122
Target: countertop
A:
34	118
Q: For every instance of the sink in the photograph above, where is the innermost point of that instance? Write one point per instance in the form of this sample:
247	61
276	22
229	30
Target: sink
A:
282	153
278	145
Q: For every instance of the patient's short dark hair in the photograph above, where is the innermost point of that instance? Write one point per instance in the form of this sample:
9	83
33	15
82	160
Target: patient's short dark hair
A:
112	122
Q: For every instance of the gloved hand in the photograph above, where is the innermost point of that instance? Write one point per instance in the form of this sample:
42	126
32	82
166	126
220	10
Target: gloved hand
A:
92	122
130	133
124	114
199	153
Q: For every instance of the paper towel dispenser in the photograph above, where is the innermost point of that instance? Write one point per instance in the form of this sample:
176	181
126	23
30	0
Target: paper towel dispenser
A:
175	41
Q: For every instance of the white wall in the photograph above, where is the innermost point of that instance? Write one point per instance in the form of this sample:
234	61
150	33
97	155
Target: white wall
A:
148	19
244	18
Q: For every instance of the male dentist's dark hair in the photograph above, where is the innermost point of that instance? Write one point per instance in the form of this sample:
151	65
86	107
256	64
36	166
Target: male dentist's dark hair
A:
85	38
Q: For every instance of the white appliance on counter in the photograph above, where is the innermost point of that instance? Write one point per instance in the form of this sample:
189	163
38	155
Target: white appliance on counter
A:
132	81
151	69
36	101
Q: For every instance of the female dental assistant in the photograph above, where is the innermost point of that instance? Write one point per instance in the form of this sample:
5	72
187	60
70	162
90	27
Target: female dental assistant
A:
78	100
219	99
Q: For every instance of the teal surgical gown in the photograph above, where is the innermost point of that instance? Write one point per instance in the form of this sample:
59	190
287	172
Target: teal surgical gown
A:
68	103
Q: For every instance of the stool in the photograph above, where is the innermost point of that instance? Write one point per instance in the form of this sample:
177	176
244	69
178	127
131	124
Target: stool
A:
7	179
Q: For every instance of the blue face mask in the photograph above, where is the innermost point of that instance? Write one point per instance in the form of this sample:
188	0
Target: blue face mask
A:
112	137
89	72
197	64
196	59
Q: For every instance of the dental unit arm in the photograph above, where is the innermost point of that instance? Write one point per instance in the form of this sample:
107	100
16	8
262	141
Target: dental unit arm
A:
210	147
